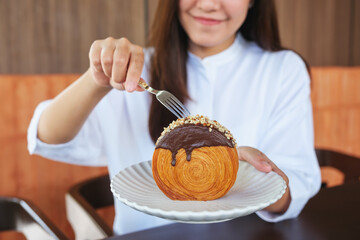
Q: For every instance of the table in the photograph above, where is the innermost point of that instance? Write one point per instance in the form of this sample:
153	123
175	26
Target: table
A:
334	213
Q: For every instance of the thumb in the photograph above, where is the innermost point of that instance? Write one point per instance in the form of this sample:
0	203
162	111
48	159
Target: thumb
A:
255	158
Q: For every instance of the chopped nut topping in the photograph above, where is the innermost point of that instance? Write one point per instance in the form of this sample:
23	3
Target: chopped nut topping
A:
198	120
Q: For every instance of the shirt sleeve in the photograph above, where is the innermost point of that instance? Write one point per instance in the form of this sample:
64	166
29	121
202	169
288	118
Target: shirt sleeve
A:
85	149
289	139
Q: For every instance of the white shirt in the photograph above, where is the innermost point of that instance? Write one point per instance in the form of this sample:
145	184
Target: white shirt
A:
262	97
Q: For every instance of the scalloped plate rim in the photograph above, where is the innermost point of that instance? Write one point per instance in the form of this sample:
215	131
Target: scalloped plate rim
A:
222	215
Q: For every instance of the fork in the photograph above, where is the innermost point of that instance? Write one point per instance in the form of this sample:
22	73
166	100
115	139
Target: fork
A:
167	99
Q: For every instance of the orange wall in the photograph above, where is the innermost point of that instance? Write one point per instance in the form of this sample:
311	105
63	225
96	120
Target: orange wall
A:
42	181
336	105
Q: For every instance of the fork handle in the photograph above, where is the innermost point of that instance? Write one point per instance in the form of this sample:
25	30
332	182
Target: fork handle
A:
146	87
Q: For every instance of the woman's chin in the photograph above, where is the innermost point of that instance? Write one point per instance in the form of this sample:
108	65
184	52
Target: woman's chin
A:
205	42
207	47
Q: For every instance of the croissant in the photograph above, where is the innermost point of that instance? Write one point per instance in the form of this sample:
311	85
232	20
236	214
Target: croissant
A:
195	158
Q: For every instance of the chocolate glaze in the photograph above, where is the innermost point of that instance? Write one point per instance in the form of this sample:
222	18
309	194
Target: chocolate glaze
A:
189	137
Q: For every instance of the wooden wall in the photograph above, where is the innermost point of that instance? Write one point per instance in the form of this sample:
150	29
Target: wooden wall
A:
336	106
324	32
51	36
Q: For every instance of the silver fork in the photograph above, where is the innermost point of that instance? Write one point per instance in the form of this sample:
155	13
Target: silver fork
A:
167	99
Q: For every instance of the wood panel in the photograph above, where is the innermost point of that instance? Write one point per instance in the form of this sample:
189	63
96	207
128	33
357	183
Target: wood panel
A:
35	178
13	235
355	37
151	7
50	36
336	104
319	31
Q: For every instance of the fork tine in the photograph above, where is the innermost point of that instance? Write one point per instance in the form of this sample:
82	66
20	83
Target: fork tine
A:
183	108
173	106
166	104
178	107
173	112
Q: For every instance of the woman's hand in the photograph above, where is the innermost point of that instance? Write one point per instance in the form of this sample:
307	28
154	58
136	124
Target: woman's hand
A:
262	163
116	63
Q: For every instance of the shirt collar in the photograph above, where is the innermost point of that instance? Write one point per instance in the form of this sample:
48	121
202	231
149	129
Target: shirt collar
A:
236	48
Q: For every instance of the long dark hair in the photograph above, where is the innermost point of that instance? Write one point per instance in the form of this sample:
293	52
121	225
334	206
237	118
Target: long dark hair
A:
168	65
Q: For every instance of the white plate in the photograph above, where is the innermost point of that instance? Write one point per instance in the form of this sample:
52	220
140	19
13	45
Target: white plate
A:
252	191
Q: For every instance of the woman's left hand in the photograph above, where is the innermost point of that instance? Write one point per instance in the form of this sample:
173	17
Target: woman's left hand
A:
262	163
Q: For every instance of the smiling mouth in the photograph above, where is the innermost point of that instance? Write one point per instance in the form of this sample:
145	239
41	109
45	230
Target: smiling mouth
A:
208	21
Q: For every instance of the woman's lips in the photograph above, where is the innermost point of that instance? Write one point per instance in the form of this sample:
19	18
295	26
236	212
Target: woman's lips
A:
207	21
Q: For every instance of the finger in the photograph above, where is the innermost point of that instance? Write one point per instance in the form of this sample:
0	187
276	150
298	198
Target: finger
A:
120	61
260	161
264	162
94	56
255	158
136	64
107	54
278	171
138	88
118	86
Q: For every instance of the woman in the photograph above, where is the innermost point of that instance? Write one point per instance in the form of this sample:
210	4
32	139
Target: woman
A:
223	59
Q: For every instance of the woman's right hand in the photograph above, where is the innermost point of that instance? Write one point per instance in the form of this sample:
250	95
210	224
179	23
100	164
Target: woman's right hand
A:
116	63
